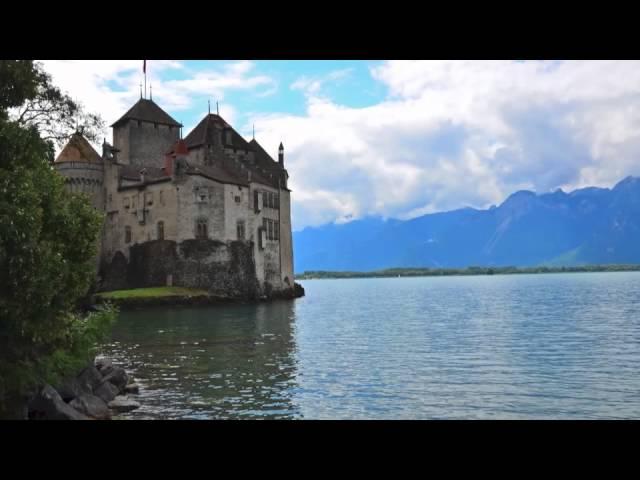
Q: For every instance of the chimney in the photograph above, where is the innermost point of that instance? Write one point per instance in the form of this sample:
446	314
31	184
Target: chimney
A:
281	155
168	165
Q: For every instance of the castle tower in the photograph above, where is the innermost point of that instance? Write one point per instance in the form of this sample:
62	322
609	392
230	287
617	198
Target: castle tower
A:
83	169
144	134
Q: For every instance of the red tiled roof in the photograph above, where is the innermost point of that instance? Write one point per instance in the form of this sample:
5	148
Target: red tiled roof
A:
78	149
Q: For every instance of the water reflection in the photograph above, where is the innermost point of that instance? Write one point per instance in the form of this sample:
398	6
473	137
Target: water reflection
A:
209	363
515	346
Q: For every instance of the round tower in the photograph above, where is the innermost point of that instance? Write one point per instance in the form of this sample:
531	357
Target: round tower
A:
83	169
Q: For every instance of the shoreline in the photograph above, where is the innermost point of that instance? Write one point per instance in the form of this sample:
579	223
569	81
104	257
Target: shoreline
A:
137	299
472	272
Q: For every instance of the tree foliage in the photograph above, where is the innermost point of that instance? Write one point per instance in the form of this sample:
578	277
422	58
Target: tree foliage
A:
48	244
36	102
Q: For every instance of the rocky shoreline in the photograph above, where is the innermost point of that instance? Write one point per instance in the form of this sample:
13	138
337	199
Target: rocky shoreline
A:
97	393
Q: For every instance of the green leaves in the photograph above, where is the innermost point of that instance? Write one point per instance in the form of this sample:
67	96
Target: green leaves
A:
48	243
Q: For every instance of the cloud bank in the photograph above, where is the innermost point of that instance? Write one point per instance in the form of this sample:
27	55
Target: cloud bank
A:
448	134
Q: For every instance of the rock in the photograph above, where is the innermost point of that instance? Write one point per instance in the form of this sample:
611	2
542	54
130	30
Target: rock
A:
106	391
118	377
132	388
123	404
90	379
48	405
91	406
104	366
71	388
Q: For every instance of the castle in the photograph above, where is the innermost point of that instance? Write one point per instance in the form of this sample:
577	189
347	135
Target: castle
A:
209	211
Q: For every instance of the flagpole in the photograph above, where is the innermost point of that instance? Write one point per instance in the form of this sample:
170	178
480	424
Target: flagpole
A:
144	70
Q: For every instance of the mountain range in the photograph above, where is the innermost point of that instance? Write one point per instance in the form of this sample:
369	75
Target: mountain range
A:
587	226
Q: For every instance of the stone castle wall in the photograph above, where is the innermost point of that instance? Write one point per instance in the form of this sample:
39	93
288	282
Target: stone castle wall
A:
144	143
225	269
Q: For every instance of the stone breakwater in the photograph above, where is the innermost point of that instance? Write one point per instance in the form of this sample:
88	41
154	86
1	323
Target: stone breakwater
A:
96	393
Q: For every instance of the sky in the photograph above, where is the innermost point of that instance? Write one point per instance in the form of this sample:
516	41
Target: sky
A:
397	139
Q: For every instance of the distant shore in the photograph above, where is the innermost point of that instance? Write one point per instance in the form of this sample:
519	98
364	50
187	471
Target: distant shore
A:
441	272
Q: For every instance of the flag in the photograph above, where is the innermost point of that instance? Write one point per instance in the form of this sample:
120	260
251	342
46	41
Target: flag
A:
144	66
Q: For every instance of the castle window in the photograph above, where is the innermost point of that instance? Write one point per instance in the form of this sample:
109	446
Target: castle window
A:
264	226
238	198
160	230
240	229
161	199
155	125
276	200
228	137
276	230
202	195
139	123
270	230
201	229
125	202
256	201
149	198
127	234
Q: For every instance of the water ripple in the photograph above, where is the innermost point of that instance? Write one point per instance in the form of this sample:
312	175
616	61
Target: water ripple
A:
518	346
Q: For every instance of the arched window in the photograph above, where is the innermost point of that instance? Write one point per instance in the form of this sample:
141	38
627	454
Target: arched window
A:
160	230
201	228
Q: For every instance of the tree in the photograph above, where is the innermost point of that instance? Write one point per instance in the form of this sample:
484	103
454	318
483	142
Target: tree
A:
48	243
44	106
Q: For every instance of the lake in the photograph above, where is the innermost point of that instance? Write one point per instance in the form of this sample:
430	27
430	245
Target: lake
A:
547	346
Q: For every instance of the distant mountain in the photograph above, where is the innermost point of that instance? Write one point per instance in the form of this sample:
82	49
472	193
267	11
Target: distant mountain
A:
587	226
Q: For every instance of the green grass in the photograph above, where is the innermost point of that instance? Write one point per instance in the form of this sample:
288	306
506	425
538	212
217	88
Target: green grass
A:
154	292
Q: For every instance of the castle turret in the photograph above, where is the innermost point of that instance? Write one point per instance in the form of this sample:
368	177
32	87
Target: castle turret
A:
82	168
281	155
144	134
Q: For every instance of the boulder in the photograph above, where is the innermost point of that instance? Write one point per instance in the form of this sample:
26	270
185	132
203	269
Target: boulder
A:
91	406
106	391
123	404
104	366
118	377
71	388
89	379
132	388
48	405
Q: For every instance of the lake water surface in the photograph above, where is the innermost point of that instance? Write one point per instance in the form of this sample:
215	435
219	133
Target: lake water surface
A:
548	346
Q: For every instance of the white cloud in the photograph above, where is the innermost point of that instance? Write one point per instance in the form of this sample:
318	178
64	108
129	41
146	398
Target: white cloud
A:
455	134
448	135
311	85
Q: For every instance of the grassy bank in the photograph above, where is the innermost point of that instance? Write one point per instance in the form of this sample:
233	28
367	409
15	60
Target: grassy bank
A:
153	292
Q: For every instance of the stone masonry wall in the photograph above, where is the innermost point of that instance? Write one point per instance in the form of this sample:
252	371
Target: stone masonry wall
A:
225	269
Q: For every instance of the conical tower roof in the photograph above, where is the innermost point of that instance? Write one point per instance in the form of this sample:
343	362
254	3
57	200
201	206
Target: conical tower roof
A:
78	149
